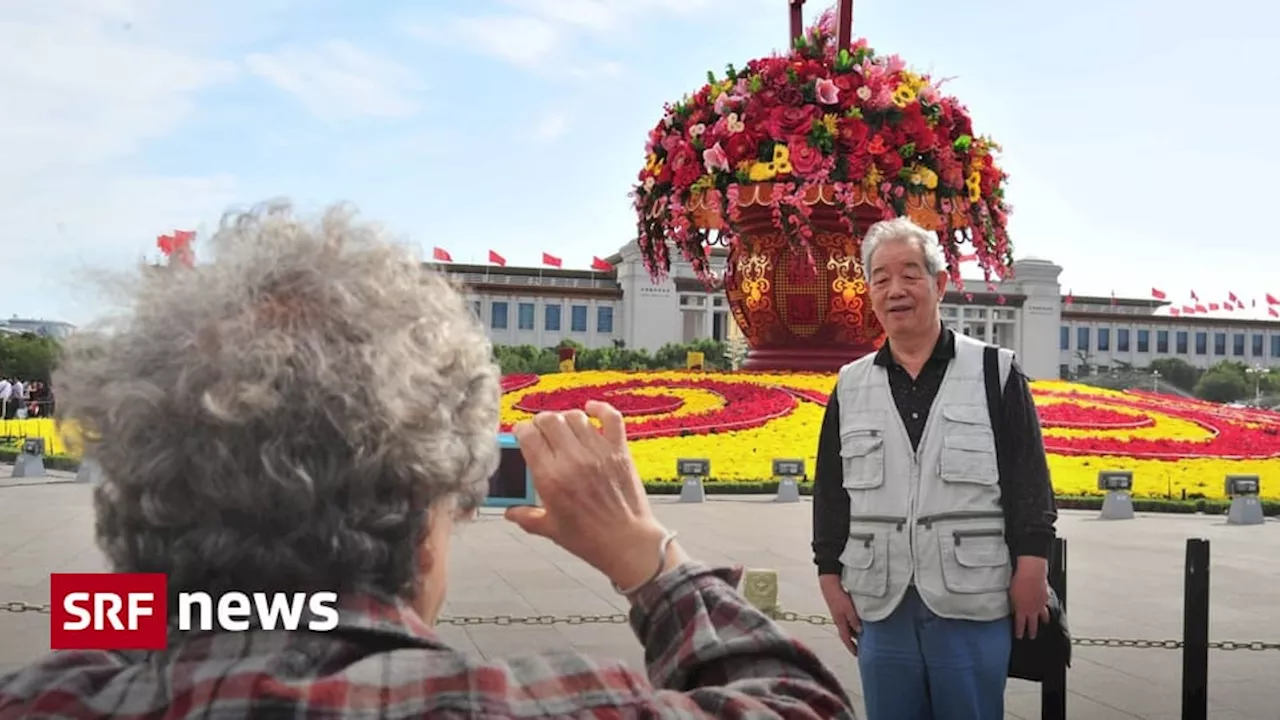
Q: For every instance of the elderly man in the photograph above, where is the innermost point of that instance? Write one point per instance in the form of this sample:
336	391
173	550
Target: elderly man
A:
313	411
918	526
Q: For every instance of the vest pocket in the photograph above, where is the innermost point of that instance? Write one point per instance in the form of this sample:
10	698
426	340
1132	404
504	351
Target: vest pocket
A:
969	459
862	452
866	564
974	561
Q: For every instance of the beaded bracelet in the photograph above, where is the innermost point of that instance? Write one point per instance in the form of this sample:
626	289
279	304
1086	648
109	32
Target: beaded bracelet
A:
662	565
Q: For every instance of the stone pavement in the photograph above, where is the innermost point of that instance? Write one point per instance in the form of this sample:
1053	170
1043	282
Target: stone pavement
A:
1125	581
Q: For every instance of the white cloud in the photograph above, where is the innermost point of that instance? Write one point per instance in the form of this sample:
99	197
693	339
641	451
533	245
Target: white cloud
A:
538	34
84	84
551	126
338	80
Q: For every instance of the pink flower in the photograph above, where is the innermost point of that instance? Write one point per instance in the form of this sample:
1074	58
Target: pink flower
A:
827	92
714	158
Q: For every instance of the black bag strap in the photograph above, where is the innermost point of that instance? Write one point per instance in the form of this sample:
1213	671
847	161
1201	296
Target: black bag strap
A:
991	375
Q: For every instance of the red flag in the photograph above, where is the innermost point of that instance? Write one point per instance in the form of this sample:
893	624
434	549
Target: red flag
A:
1188	310
1174	312
441	255
1229	307
1194	296
1213	306
1070	298
497	259
1200	308
1157	294
1273	312
165	243
601	265
1232	297
1271	300
551	260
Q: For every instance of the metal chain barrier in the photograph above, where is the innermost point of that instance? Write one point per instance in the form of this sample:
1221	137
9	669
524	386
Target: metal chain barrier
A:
778	615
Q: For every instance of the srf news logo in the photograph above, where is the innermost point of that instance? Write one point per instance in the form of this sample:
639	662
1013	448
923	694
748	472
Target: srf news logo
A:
129	611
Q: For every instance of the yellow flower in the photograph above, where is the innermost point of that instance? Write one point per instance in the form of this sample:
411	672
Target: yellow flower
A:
913	81
760	172
904	95
923	176
873	178
831	123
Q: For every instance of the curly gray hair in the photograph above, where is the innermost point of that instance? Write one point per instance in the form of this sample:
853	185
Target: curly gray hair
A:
282	417
902	229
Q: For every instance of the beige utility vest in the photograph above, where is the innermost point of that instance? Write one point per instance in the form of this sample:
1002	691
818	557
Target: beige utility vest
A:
932	516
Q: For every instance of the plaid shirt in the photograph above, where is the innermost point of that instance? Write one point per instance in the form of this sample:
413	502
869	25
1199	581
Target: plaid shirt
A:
709	654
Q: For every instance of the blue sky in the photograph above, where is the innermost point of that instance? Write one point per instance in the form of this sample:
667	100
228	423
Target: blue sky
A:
1137	134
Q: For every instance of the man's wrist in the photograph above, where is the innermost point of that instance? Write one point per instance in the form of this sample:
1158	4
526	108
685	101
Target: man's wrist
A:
1032	564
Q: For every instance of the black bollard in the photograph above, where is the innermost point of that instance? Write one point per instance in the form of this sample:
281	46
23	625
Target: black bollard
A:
1195	632
1053	689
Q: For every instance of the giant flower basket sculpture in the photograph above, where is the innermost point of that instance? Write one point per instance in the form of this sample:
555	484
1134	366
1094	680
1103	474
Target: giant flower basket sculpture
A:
788	161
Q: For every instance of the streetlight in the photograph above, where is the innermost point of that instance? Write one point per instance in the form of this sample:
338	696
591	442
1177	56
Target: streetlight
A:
1257	371
1155	381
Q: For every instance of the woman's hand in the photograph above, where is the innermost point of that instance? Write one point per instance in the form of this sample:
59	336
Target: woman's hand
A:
593	502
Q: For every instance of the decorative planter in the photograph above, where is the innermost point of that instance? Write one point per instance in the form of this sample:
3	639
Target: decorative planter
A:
788	160
794	315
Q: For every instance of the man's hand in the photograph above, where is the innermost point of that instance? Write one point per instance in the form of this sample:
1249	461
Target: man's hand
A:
843	613
1029	595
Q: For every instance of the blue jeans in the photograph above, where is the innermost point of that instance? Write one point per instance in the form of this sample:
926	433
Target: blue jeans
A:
918	666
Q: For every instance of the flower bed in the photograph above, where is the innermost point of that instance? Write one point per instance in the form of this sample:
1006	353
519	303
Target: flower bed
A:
742	421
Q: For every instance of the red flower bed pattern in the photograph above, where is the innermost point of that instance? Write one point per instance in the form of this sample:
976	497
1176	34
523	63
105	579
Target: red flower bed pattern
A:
518	381
747	405
629	404
1089	417
1231	435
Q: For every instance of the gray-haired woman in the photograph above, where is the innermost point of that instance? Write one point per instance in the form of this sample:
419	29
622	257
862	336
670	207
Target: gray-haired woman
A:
313	411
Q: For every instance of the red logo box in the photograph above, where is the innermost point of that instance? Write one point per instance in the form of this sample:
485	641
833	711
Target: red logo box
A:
108	611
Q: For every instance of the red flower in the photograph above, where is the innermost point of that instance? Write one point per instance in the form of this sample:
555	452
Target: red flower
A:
784	122
684	166
852	134
805	158
889	163
741	146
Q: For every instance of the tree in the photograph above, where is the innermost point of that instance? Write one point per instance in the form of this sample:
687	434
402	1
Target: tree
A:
1223	385
1176	372
28	356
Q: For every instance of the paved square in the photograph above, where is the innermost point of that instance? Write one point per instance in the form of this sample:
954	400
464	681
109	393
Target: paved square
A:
1125	581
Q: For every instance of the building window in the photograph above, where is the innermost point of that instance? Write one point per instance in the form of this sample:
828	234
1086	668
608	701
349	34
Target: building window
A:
1202	343
1219	343
604	319
1257	345
1144	341
1182	342
1082	339
498	310
1064	338
578	321
1122	340
552	320
1237	344
1104	340
1064	372
524	316
1275	346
